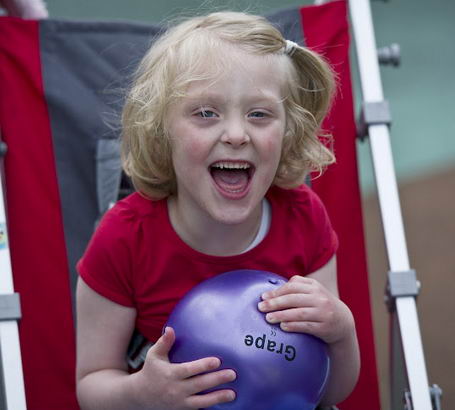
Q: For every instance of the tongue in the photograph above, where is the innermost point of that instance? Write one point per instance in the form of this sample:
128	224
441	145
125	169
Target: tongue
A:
232	180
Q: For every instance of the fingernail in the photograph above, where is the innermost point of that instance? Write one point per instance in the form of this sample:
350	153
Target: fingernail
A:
261	306
215	363
266	295
231	395
271	318
232	375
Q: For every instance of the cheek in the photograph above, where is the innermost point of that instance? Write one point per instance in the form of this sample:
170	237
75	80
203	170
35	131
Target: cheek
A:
188	152
273	146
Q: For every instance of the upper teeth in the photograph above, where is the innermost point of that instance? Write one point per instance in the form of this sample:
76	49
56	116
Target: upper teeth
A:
232	165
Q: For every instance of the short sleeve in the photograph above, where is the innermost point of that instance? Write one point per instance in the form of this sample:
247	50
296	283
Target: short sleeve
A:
326	239
106	265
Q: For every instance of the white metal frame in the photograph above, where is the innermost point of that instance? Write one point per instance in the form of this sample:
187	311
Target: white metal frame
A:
406	332
405	316
10	352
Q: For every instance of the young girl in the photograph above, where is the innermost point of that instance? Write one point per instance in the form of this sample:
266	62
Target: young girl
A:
220	131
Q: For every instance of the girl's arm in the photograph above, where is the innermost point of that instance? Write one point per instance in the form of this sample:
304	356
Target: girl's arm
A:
103	332
104	329
311	305
344	354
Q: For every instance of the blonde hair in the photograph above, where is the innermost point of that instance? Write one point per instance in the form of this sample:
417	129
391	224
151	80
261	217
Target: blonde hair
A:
179	57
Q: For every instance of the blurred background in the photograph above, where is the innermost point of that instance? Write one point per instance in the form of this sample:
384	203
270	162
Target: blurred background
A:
421	93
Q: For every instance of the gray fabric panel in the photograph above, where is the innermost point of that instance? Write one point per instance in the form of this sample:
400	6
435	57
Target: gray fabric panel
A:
86	66
288	21
86	69
108	173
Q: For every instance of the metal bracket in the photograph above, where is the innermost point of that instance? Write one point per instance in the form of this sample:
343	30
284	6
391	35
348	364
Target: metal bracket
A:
399	284
435	393
390	55
10	307
137	350
3	149
373	113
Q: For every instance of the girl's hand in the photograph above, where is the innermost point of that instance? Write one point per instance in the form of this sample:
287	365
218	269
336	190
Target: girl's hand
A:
304	305
163	385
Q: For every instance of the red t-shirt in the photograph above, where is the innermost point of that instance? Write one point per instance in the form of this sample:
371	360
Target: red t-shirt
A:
136	259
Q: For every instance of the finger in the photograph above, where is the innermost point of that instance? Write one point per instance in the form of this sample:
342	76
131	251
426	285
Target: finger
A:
294	315
210	380
164	344
286	301
210	399
195	367
302	279
297	284
312	328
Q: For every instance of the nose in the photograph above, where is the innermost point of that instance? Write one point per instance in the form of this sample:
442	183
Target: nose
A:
235	133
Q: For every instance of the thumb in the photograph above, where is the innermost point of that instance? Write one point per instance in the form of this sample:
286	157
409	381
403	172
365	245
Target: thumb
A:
164	344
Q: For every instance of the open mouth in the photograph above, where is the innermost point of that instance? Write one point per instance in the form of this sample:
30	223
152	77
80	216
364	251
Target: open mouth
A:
232	177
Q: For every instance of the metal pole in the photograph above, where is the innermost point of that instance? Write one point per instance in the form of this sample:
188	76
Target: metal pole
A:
10	353
389	203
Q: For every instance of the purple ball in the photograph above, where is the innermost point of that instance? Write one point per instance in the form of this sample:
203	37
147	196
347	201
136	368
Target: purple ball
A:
276	370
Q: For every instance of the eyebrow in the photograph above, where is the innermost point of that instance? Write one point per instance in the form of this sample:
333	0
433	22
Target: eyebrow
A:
260	98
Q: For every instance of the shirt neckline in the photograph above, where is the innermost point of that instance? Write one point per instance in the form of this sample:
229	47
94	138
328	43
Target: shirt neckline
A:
193	253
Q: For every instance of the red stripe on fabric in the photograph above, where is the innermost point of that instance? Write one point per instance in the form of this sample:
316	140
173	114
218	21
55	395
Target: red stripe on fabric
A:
326	31
36	236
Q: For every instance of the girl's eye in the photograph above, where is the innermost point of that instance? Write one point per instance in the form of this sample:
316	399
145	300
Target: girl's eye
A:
206	114
258	114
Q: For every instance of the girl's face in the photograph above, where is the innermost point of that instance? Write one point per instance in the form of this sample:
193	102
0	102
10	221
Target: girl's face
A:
226	140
